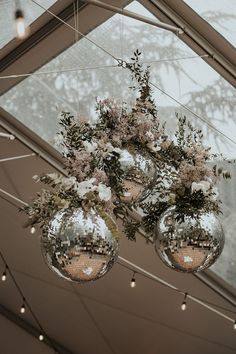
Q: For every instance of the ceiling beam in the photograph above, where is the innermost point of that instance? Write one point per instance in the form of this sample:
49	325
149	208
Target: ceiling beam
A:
134	15
198	34
51	39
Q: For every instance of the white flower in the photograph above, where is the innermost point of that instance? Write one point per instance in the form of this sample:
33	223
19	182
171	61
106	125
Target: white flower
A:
140	117
68	183
54	176
154	146
104	192
36	178
84	187
126	159
65	182
214	195
90	147
150	136
203	186
110	148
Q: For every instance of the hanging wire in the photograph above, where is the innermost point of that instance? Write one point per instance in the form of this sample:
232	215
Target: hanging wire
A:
27	304
122	64
14	76
195	114
74	29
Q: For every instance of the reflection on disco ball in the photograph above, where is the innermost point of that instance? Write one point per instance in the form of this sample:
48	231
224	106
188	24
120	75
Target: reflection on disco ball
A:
80	246
138	176
189	246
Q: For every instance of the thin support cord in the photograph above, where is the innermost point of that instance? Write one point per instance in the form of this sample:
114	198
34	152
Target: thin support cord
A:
91	316
195	114
14	76
74	29
121	63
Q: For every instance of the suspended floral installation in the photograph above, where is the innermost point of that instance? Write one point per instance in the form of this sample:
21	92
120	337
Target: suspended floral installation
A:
127	162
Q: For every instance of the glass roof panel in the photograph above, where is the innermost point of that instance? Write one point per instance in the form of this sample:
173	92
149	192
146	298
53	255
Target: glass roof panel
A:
7	11
221	14
74	79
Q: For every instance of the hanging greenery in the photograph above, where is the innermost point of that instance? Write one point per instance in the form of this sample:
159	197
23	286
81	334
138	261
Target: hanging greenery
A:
126	161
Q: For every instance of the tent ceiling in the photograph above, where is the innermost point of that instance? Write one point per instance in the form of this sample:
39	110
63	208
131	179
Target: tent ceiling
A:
106	316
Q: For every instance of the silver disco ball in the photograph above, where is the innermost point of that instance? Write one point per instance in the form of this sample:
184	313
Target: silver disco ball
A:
191	245
80	246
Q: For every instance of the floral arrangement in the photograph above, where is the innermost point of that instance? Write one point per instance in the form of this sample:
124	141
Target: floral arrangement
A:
127	161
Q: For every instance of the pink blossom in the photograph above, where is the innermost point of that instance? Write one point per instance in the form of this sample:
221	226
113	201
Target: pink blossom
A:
81	164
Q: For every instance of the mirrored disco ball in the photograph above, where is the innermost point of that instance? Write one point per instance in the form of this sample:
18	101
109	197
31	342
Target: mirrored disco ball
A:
80	246
188	246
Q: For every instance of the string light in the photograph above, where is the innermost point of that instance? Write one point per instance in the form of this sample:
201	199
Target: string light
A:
133	281
21	32
132	284
184	304
22	309
25	303
4	275
41	337
32	230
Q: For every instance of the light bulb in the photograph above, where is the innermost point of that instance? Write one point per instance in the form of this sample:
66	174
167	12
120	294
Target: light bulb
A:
234	324
4	276
133	281
41	337
32	230
183	306
20	24
22	309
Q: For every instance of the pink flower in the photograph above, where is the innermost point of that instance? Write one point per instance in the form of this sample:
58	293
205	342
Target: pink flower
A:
100	176
81	164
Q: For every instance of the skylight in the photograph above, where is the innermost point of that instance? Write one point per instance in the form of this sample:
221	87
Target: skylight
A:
220	14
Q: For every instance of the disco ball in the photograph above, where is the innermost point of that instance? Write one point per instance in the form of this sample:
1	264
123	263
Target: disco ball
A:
191	245
80	246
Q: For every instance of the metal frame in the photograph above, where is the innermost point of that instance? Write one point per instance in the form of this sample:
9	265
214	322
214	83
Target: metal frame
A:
198	35
135	16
